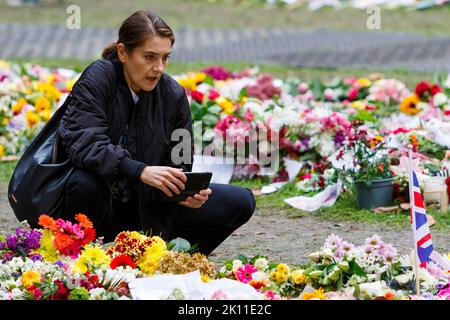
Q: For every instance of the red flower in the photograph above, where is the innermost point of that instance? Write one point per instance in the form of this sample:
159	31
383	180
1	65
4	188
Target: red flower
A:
37	293
423	89
197	95
88	236
435	89
62	293
122	260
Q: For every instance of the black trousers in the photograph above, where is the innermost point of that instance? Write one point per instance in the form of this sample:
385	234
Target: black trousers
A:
227	208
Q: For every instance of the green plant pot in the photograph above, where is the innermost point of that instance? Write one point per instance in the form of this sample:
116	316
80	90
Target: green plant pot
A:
374	194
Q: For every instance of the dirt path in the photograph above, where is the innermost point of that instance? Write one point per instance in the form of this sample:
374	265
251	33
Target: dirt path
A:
280	238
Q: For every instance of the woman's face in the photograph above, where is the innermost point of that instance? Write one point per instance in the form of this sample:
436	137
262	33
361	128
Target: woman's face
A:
144	65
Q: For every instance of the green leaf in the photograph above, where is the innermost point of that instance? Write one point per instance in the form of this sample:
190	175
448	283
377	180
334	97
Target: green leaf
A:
210	119
243	93
317	88
209	80
180	244
214	109
334	83
242	258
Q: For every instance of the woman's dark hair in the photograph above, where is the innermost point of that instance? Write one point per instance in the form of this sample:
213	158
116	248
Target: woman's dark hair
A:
137	28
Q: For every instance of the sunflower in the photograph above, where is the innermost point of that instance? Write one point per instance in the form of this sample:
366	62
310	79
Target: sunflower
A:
409	104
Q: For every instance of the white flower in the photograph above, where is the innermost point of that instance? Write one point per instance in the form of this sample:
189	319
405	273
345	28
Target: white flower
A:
439	99
259	276
16	293
374	289
261	264
223	270
96	294
447	82
236	264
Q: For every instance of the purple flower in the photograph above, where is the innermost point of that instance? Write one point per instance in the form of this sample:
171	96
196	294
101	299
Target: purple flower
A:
2	245
339	138
36	257
11	242
31	240
59	264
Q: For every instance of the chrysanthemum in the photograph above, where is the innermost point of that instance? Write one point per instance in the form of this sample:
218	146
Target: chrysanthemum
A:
47	222
29	278
122	261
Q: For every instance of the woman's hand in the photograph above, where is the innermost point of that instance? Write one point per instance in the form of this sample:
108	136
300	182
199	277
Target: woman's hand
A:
167	179
197	200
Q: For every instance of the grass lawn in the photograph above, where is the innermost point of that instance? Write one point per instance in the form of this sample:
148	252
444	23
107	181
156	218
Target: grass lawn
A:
227	14
345	209
410	78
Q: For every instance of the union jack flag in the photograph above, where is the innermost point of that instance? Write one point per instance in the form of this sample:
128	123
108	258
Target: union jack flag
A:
419	223
418	219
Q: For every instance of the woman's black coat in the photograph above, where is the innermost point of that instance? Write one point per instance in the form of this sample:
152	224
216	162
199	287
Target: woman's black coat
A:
100	108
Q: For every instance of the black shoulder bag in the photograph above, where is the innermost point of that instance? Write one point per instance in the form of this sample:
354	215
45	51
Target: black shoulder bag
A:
37	184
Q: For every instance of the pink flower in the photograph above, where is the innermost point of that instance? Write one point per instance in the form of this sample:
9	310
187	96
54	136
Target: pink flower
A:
353	94
302	88
219	295
213	95
244	274
270	295
249	116
70	228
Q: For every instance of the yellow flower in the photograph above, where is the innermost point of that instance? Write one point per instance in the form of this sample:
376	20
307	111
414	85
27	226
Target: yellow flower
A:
17	107
225	104
136	235
49	91
188	83
45	115
358	105
316	295
2	151
298	277
91	257
199	77
409	104
29	278
47	249
42	104
283	268
281	277
364	82
278	277
152	255
32	118
70	84
204	278
273	276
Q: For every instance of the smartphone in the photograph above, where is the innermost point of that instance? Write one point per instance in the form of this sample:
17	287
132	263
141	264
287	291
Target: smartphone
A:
195	182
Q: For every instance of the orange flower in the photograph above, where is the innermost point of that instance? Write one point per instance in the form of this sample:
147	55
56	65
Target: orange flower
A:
83	220
389	296
47	222
62	241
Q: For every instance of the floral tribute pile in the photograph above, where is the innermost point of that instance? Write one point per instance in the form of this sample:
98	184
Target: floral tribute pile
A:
358	4
64	260
316	122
